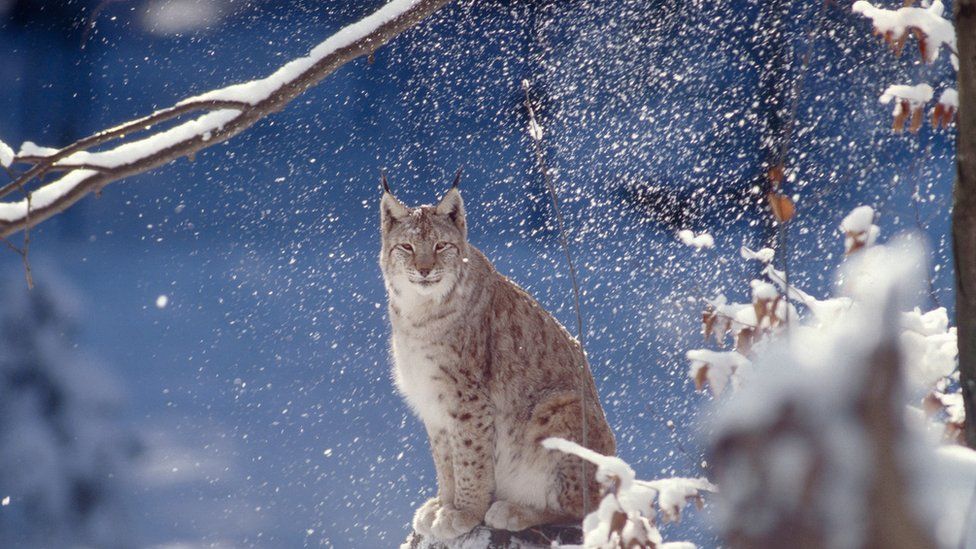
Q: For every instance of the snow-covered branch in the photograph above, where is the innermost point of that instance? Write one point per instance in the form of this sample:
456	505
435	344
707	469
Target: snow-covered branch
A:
626	516
927	24
226	113
933	31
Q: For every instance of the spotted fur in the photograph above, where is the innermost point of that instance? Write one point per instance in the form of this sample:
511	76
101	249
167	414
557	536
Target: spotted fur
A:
489	372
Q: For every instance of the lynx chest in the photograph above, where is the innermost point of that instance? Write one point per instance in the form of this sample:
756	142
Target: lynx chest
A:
418	375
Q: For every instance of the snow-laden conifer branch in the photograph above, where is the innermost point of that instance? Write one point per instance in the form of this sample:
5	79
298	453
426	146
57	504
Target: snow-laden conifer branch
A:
228	112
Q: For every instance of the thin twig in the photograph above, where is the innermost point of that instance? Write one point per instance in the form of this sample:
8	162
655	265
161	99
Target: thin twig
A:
25	257
24	252
536	134
788	137
13	247
697	463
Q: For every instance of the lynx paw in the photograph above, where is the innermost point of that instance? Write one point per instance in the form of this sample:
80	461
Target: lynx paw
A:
425	515
508	516
452	522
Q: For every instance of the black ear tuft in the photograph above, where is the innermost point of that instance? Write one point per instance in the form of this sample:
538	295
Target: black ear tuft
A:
457	178
386	185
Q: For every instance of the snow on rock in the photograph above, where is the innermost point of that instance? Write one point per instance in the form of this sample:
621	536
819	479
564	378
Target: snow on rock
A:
256	91
895	23
859	229
626	516
482	537
689	238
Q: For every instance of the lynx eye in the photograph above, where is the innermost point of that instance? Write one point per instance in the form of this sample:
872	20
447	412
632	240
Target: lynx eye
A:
441	246
406	247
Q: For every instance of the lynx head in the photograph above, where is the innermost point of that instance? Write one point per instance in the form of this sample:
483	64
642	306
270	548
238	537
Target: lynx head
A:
424	247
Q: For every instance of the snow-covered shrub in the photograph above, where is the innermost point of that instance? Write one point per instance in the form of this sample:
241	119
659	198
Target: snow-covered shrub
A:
63	453
927	342
626	517
830	436
816	449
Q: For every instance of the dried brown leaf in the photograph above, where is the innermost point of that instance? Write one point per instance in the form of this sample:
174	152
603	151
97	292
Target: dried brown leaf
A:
954	433
899	44
937	113
701	377
775	175
901	116
708	322
948	116
917	116
923	44
744	340
760	308
932	404
617	522
782	206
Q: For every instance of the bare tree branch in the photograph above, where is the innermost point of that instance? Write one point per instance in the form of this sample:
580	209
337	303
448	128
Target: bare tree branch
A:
229	111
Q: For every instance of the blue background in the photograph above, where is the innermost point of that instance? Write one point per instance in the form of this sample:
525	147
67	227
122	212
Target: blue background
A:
262	390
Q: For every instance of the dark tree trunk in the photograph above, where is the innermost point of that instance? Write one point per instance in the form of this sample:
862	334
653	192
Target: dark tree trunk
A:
964	211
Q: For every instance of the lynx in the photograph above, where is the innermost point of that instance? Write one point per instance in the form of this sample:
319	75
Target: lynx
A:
489	372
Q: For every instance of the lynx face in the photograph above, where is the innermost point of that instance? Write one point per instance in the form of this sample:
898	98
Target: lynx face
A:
423	248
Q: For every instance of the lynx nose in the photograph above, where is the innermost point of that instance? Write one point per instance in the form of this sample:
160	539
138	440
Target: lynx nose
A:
423	272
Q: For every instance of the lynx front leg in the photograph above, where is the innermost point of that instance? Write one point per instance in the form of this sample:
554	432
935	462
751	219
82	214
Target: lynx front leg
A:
440	446
472	452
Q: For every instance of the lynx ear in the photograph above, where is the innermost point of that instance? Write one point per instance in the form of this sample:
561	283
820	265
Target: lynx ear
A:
391	209
453	207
